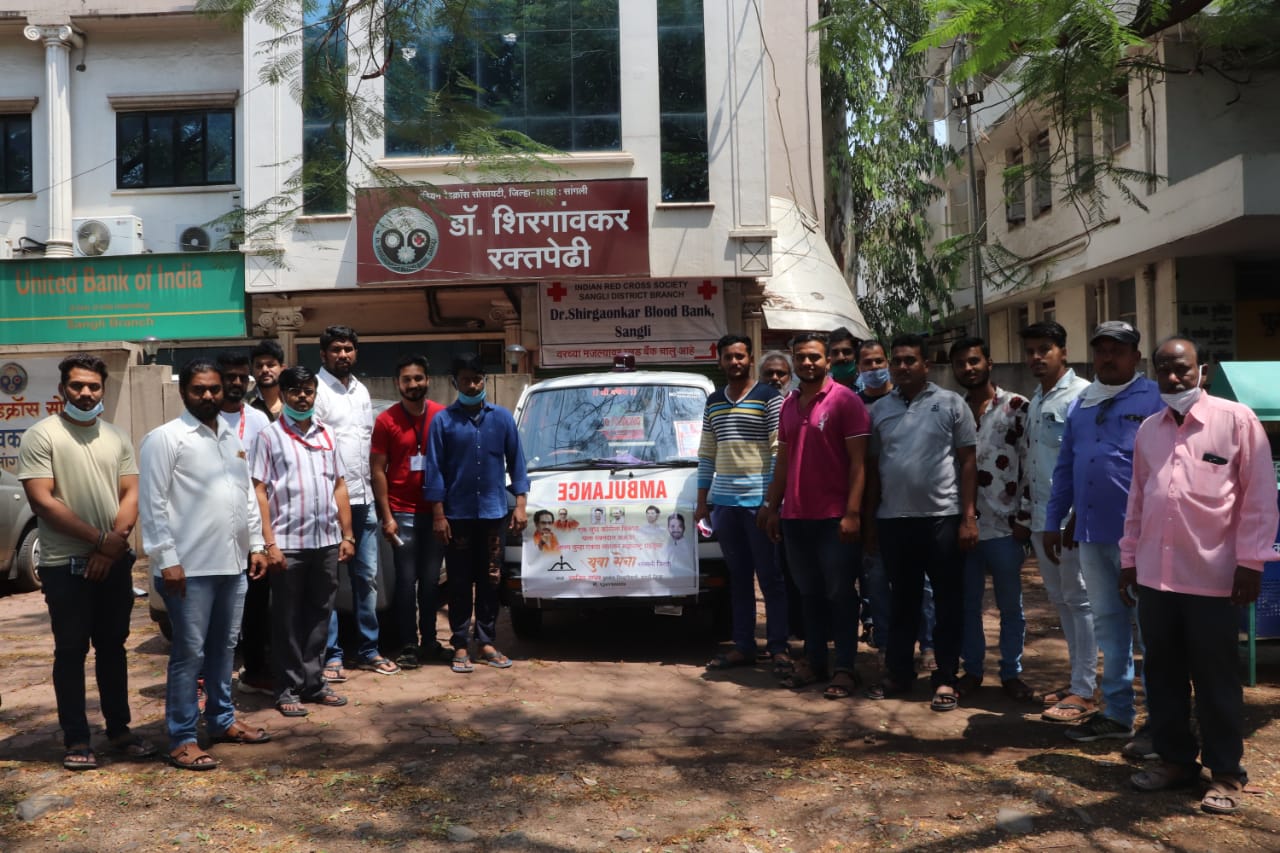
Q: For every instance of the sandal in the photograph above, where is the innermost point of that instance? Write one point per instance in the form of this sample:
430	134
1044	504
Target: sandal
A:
1224	795
380	665
888	689
1164	777
462	663
842	685
79	758
801	676
729	660
333	674
1072	709
496	659
1017	690
238	733
1053	697
292	709
783	665
190	756
327	699
945	701
133	746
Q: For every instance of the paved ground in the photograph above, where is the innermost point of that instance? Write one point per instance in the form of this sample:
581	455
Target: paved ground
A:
608	726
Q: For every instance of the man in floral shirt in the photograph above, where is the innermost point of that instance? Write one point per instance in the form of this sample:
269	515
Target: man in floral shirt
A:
1000	416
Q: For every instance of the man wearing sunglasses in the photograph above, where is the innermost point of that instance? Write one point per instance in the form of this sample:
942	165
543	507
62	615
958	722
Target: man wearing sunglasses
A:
1093	473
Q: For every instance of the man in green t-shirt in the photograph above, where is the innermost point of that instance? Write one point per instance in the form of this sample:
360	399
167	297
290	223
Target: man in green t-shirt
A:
81	479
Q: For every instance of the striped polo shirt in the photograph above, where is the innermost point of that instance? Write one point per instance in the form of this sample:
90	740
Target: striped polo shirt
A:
739	443
300	470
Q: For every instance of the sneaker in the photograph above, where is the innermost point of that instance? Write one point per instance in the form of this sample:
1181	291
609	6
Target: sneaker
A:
251	684
1141	748
409	657
1099	727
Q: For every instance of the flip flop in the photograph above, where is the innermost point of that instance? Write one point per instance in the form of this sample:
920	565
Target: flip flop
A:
1053	697
237	733
334	674
190	756
802	676
79	758
496	659
945	701
462	664
841	686
729	660
292	709
380	665
133	746
887	689
327	699
1164	777
1073	709
1224	796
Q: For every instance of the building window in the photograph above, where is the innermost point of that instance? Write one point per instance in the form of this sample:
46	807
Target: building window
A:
324	112
15	153
1048	311
175	148
1015	189
682	101
1041	177
1123	298
1115	123
548	70
1083	159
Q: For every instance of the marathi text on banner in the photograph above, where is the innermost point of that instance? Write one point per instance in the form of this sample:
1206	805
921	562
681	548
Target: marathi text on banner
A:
28	393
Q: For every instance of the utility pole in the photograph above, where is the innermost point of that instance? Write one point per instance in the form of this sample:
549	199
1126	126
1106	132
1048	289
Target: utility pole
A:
967	100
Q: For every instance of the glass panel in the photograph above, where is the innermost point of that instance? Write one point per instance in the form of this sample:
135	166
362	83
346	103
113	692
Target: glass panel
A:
596	73
682	83
16	157
682	99
220	149
550	88
595	14
131	150
160	136
684	158
324	83
189	157
556	132
680	13
597	134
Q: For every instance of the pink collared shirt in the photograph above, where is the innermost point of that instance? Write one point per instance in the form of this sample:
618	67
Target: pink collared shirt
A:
817	456
1203	499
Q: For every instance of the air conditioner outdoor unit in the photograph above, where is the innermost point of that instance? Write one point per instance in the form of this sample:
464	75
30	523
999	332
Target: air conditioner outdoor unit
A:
106	235
203	238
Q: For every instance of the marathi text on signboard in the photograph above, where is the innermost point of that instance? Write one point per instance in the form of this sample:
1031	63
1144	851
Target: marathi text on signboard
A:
28	393
588	322
129	297
591	538
487	232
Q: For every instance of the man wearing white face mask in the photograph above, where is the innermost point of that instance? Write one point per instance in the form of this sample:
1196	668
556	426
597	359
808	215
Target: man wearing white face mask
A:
1200	524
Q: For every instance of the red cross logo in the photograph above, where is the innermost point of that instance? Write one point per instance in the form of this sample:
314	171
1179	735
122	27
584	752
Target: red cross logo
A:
556	291
707	289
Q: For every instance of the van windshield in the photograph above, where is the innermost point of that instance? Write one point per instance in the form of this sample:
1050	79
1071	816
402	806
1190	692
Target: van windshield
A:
612	425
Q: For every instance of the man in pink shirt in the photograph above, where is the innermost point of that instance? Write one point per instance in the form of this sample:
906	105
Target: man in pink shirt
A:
822	448
1201	521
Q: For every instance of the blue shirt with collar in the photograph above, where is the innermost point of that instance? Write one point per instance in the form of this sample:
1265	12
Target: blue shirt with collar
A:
469	460
1095	465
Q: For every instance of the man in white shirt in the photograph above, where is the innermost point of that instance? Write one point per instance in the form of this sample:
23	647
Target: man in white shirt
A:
201	527
343	405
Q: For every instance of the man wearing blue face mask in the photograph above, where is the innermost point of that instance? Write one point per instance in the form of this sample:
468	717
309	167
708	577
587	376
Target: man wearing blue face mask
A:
473	449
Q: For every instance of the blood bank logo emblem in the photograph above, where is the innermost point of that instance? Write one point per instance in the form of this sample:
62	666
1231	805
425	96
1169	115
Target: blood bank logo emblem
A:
405	240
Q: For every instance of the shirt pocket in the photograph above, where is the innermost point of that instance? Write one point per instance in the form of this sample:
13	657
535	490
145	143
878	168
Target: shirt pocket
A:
1052	426
1210	483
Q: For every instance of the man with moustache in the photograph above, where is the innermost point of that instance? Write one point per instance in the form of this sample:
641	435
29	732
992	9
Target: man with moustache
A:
398	456
1199	526
735	463
79	475
842	352
924	490
1000	416
201	527
266	360
1045	349
817	484
1091	478
343	405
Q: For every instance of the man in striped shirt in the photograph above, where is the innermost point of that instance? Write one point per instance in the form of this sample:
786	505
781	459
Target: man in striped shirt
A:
735	464
306	521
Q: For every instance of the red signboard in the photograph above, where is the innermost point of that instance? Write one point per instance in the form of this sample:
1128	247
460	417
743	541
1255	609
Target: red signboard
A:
498	232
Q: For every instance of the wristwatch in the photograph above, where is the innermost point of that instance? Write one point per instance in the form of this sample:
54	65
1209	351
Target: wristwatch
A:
261	549
350	539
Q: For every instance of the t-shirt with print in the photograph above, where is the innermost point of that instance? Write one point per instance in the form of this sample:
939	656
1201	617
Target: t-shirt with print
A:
915	444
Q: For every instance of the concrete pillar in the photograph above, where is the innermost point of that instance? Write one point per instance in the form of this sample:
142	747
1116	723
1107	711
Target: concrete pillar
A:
283	324
753	313
58	41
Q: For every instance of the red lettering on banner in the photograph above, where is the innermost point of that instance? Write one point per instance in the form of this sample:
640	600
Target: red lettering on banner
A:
633	490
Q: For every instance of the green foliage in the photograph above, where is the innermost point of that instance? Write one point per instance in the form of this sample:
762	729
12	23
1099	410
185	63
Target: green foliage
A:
879	154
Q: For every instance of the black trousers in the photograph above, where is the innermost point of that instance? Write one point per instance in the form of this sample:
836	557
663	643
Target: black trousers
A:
301	601
1193	640
255	629
913	548
473	560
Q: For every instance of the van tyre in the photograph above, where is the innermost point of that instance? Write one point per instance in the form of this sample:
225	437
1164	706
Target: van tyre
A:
27	578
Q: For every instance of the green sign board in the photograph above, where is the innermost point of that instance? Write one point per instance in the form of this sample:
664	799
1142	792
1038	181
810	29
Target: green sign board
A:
130	297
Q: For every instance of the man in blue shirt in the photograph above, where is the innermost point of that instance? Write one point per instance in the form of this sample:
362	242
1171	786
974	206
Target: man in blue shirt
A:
474	448
1095	467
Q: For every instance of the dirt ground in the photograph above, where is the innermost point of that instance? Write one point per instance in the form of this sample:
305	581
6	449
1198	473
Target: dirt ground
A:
609	735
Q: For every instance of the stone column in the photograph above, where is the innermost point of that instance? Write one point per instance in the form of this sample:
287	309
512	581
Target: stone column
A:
283	324
503	312
58	41
753	314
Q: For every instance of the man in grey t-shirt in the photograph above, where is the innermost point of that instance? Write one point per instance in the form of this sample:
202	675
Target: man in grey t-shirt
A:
923	489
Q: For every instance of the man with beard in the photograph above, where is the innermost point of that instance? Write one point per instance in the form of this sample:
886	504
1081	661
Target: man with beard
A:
817	484
267	359
842	351
81	480
923	485
398	456
1093	474
1001	419
343	405
201	527
735	463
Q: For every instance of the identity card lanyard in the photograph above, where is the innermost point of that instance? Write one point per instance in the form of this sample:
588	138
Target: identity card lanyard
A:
324	434
417	462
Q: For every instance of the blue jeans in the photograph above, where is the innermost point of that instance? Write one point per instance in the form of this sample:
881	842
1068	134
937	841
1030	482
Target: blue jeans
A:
363	571
1064	586
1113	625
1003	558
417	580
205	623
825	570
749	556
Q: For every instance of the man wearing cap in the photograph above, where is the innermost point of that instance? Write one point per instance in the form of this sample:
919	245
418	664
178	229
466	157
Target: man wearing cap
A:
1093	473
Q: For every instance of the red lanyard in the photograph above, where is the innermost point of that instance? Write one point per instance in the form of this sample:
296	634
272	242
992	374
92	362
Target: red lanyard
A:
328	445
242	420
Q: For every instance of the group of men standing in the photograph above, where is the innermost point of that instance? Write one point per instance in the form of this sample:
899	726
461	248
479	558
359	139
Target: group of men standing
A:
1133	494
246	508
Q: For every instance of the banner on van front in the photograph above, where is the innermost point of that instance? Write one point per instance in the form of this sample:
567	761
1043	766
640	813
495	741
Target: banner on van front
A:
657	321
595	537
28	393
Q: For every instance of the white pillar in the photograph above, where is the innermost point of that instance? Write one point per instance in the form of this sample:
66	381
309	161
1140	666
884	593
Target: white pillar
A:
58	41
